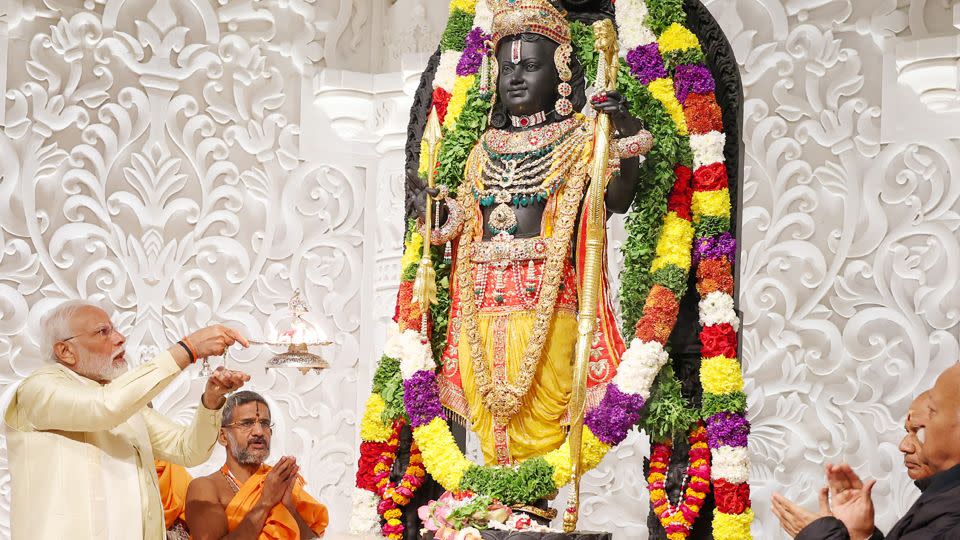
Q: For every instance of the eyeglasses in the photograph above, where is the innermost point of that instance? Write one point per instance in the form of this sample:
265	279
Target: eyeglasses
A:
104	332
247	425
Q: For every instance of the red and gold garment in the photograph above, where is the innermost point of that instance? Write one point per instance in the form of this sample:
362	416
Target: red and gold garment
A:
507	276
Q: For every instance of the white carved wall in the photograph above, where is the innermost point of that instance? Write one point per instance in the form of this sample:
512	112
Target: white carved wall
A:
195	161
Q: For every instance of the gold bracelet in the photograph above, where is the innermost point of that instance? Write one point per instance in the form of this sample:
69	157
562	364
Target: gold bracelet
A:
451	227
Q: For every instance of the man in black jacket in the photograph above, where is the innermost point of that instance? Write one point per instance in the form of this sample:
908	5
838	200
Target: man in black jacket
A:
936	514
793	517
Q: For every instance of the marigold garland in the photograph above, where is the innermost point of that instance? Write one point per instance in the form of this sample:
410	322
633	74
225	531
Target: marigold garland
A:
393	496
678	521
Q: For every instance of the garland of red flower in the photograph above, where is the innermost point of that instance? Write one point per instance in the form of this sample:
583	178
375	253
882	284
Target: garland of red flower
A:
677	521
395	495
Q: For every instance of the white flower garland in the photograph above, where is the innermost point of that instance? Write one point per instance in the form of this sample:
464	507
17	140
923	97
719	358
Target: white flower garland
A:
414	355
631	18
639	366
364	519
717	308
707	148
483	17
731	464
447	71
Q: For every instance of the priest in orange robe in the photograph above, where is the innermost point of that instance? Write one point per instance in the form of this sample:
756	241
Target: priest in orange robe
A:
246	498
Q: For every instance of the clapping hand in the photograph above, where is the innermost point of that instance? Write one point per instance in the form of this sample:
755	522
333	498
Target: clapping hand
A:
793	517
850	500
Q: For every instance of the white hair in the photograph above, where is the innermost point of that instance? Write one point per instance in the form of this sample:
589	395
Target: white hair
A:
55	325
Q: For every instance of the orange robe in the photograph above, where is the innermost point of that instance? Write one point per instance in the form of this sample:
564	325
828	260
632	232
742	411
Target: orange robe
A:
280	525
173	481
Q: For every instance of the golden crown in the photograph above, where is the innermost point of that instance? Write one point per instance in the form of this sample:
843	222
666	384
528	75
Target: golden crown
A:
512	17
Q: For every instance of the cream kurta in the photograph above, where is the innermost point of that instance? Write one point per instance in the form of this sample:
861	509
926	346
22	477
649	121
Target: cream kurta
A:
81	454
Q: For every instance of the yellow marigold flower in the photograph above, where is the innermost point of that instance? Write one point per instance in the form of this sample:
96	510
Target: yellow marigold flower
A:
732	526
711	203
441	455
657	476
412	250
468	6
677	38
677	536
591	453
662	89
559	459
372	428
458	100
393	513
593	449
673	246
721	375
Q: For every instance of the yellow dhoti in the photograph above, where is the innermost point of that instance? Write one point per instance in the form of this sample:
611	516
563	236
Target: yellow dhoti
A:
539	426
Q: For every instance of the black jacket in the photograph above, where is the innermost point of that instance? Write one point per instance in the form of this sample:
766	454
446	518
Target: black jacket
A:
935	516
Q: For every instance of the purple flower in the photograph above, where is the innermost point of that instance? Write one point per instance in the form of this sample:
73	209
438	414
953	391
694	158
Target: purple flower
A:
617	413
421	397
646	64
715	247
727	429
473	52
692	78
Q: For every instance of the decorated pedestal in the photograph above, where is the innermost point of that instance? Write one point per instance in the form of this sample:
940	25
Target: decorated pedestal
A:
523	535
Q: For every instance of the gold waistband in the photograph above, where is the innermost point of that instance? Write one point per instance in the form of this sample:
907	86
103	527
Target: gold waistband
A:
516	249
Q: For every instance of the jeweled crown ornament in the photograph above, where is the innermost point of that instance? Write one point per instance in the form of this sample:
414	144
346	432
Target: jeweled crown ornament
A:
298	338
512	17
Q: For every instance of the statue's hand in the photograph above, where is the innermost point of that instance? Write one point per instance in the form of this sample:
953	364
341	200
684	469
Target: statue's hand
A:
418	190
615	105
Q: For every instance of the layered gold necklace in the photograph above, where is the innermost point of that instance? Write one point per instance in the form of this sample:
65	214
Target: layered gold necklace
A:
504	399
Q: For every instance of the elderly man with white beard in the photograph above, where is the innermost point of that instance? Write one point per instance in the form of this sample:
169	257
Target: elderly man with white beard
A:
82	441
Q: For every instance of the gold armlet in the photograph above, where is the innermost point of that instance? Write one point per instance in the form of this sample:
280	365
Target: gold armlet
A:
634	145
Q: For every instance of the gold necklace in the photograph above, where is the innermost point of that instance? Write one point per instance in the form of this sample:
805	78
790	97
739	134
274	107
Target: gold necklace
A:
518	181
505	399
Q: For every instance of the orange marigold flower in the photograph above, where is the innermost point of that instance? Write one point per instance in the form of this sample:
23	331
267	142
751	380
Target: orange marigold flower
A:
703	114
714	275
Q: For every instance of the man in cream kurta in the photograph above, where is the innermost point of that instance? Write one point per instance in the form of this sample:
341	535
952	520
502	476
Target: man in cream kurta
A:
82	444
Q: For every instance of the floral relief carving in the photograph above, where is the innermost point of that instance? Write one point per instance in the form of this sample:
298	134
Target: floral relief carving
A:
151	160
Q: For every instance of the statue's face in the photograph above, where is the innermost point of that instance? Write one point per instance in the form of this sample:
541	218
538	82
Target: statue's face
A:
529	85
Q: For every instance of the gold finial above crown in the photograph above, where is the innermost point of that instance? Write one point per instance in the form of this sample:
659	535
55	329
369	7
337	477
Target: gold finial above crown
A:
512	17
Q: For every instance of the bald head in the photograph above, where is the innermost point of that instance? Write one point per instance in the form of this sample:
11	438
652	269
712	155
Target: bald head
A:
941	429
